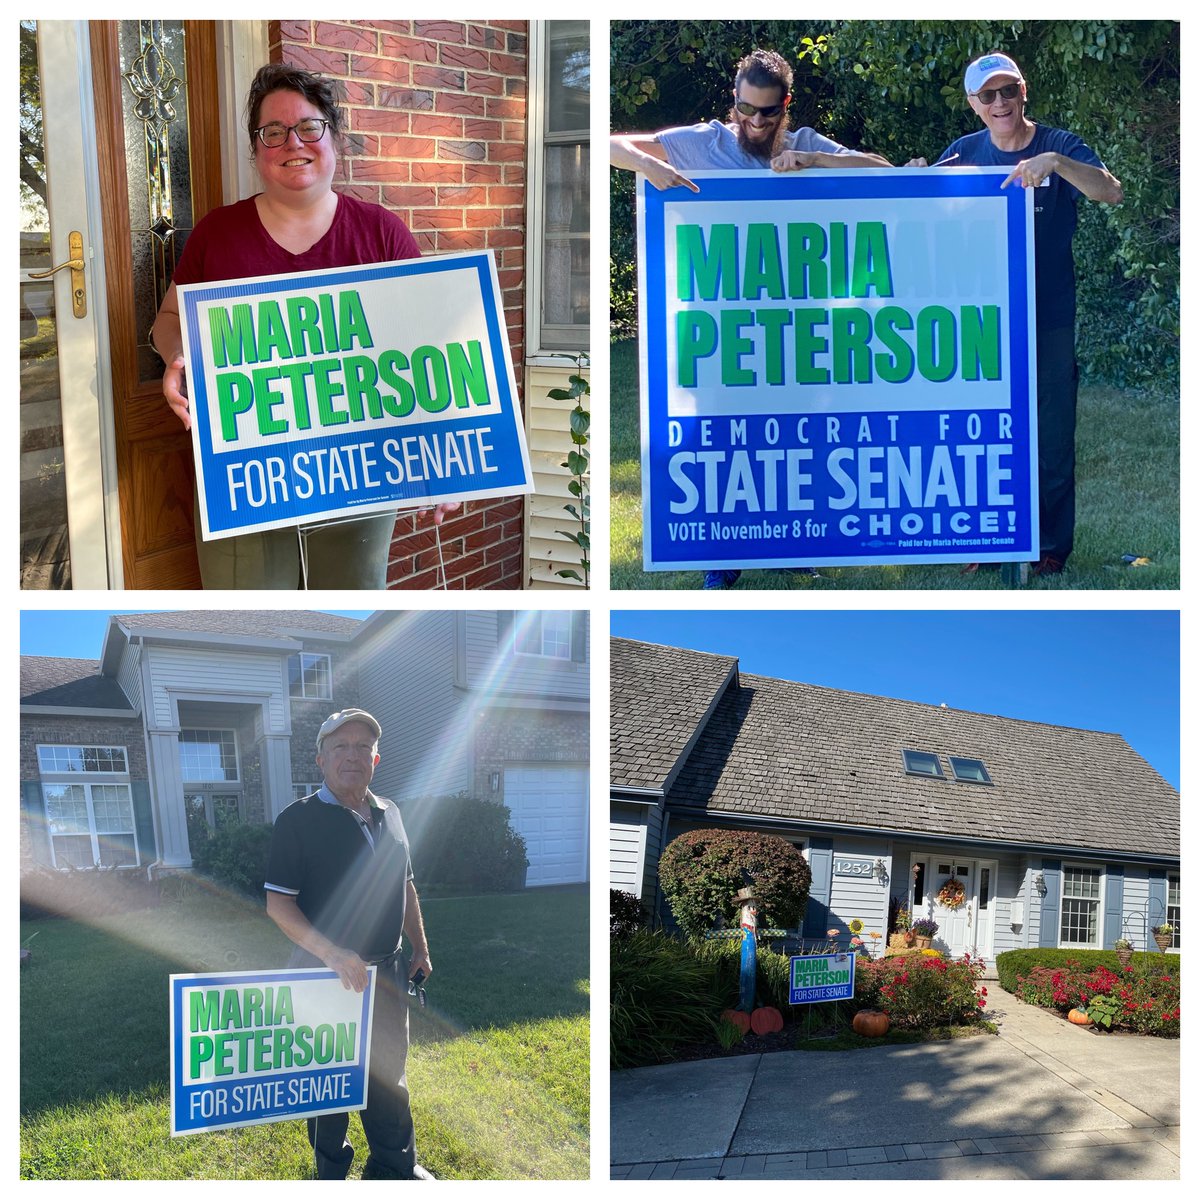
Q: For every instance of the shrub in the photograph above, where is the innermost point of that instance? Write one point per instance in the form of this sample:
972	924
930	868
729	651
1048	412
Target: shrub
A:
1012	963
702	870
235	855
625	913
465	844
662	996
724	955
922	991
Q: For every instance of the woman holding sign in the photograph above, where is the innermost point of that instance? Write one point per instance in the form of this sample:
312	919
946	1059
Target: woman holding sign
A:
297	223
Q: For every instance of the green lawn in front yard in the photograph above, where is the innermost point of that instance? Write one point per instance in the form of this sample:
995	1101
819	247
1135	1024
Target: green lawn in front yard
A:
1127	502
498	1070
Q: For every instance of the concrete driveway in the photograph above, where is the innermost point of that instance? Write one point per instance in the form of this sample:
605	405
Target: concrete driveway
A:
1044	1100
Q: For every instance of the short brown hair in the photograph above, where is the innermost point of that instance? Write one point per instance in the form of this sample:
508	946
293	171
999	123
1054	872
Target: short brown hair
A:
283	77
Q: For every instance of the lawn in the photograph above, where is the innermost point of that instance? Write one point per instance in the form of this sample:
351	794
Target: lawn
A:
498	1068
1127	502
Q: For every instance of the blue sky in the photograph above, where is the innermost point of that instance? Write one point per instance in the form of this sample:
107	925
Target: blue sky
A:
1111	671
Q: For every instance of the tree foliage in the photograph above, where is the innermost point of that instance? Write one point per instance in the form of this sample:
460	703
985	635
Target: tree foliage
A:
895	87
701	872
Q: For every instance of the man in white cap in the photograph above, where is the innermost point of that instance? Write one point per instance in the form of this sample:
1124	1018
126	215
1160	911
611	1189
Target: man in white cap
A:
340	885
1063	168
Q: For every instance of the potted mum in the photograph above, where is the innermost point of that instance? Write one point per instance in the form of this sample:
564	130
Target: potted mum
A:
1163	935
923	930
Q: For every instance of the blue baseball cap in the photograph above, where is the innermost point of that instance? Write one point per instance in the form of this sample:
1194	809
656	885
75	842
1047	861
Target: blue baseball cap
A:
987	67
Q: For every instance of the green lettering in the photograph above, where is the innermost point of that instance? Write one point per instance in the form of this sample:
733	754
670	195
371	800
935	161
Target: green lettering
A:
839	265
353	321
303	322
980	341
201	1052
361	376
431	379
809	344
468	377
702	270
696	337
272	332
872	265
265	400
851	345
937	356
807	273
297	374
734	347
204	1008
222	329
283	1005
235	395
252	1006
231	1012
889	320
764	267
343	1049
391	363
773	320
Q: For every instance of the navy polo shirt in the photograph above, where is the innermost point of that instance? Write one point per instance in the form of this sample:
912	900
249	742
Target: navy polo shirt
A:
351	887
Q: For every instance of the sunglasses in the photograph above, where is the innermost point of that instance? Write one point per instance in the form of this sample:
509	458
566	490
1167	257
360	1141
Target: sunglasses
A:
748	110
1007	92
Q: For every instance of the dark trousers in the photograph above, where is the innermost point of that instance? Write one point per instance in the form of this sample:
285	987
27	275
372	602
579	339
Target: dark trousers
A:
1058	390
386	1120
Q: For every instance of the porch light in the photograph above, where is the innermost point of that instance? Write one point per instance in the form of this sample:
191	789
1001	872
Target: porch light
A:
494	781
881	870
1039	883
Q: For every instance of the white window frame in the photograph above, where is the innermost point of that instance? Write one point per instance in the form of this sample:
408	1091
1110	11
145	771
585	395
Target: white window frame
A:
536	336
219	784
522	621
87	780
1102	876
1173	910
303	693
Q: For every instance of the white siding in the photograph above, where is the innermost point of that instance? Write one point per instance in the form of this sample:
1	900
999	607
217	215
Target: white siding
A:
548	429
129	674
406	681
627	847
864	897
1007	887
227	675
492	662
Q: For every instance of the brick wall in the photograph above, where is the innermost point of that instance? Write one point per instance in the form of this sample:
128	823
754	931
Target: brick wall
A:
437	133
514	736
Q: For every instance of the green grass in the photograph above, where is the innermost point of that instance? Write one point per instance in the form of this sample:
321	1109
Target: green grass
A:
1127	502
498	1068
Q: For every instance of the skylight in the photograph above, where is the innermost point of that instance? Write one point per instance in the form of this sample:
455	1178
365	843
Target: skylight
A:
969	770
921	762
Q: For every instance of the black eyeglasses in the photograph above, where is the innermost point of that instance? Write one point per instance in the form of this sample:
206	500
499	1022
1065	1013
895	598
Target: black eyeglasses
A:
748	110
311	129
1007	92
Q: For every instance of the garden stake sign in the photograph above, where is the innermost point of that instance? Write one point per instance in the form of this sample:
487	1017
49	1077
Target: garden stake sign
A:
344	392
250	1047
837	368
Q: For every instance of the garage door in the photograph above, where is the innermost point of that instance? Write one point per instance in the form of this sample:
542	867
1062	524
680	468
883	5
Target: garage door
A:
550	811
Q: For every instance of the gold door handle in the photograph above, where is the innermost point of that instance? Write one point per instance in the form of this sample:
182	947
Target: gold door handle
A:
76	264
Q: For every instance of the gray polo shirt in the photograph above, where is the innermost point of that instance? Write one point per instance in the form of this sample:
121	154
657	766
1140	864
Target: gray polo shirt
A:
714	147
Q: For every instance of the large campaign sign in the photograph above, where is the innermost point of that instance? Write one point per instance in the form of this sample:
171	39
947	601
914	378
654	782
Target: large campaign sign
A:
838	367
249	1047
350	391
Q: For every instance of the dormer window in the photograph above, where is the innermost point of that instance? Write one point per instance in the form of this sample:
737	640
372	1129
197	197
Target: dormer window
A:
969	770
921	762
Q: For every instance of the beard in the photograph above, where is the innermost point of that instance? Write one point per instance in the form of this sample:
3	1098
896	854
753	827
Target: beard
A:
766	149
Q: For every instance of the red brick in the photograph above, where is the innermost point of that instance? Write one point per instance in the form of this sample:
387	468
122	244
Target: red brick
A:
506	195
460	239
462	195
291	31
438	125
409	197
358	145
515	26
514	131
510	280
464	523
483	35
375	170
483	539
358	93
407	147
463	56
518	43
378	120
485	131
482	173
437	172
428	242
327	62
514	217
506	151
345	37
512	107
508	64
457	102
483	218
437	218
472	151
516	87
387	69
514	173
489	577
438	77
362	191
409	49
441	31
417	99
489	85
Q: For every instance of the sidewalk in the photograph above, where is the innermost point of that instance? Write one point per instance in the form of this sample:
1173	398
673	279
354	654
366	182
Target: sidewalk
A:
1044	1100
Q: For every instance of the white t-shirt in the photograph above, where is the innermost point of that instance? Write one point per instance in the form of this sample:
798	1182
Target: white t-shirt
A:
714	147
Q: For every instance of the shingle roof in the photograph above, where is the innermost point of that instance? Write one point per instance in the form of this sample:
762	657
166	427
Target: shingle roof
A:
774	748
69	683
243	622
659	695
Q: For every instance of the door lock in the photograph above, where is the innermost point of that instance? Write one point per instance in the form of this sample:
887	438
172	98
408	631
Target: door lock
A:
76	265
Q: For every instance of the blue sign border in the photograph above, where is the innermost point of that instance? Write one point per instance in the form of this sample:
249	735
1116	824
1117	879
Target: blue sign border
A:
661	552
181	1093
504	419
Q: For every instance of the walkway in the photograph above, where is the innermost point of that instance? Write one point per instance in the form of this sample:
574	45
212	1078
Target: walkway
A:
1044	1100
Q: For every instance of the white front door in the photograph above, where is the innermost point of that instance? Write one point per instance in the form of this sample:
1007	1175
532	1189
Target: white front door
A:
956	925
66	529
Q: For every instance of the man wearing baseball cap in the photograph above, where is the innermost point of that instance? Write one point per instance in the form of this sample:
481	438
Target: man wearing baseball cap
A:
340	885
1062	168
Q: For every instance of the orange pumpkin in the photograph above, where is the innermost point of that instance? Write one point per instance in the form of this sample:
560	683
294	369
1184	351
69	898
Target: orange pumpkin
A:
766	1020
1078	1017
736	1017
869	1023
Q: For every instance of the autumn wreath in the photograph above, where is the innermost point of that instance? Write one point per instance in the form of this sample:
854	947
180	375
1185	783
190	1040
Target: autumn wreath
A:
952	894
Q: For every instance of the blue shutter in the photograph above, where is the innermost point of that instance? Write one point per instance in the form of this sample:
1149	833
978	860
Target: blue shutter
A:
820	860
1051	902
1114	904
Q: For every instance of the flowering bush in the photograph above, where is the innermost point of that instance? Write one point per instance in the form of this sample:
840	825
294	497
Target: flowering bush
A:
922	991
1147	1002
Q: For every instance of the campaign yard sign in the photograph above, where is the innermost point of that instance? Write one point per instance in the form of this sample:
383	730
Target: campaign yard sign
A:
837	368
249	1047
815	978
350	391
